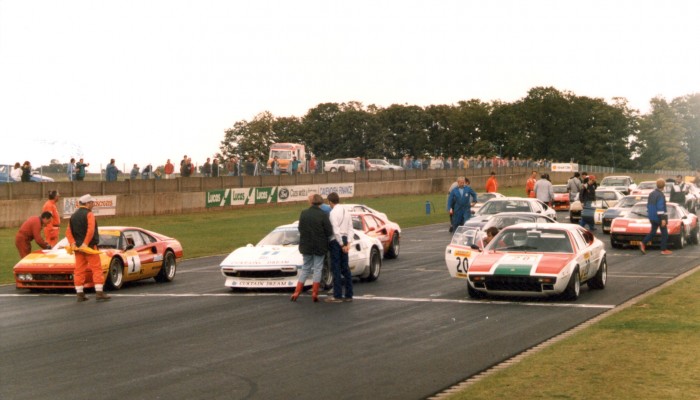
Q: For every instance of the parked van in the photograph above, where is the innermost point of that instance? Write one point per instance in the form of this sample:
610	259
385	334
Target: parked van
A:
284	153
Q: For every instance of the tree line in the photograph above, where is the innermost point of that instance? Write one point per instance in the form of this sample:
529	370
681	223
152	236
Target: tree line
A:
546	124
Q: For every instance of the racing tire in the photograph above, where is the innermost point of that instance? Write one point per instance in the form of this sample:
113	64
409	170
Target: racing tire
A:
573	288
614	243
334	169
694	236
115	274
168	269
395	247
473	293
601	277
680	240
326	274
375	265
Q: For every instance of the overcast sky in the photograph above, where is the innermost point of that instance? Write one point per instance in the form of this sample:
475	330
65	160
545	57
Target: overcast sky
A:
146	80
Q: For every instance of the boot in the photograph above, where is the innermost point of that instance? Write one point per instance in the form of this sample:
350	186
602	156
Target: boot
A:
82	297
297	292
102	296
314	291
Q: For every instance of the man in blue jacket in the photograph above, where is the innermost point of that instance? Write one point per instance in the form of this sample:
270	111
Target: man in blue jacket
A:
656	210
460	202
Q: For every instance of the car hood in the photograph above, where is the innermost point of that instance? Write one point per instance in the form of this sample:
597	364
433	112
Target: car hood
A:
260	256
520	263
48	259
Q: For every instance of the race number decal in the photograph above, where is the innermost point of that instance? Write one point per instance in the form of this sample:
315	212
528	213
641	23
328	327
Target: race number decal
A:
462	266
134	264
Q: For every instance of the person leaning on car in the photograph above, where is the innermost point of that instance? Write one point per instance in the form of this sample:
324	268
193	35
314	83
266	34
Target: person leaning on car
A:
314	231
31	230
657	214
83	237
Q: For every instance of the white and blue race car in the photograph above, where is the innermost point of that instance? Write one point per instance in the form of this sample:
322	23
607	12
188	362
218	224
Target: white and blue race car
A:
275	262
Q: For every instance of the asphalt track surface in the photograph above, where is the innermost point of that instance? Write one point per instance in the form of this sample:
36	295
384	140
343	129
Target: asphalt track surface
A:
409	335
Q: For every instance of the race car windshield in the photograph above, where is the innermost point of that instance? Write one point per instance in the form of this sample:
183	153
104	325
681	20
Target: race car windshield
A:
627	202
466	236
613	182
281	237
541	241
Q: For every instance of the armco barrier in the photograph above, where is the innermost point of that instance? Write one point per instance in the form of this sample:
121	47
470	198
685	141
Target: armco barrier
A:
18	201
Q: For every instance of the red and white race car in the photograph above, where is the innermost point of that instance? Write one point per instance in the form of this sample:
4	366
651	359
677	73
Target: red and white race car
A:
374	225
539	260
630	229
561	198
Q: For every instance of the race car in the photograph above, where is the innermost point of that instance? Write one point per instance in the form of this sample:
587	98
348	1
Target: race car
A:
631	229
611	198
621	209
561	198
539	260
483	197
389	233
595	212
127	254
511	204
275	262
467	240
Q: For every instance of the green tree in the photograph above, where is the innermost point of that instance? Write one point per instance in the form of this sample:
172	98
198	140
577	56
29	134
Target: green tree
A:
662	138
405	129
688	110
250	138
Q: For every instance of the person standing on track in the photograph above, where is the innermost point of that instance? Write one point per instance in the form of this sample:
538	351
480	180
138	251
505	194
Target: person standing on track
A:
341	220
51	230
83	238
460	202
657	213
314	230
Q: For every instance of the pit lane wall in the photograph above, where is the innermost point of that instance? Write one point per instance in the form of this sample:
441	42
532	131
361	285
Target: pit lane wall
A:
19	201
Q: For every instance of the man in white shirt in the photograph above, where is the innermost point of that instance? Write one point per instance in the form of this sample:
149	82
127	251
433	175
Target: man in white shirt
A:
544	191
341	220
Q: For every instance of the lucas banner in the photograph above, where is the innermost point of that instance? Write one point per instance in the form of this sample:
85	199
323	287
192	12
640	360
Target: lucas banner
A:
277	194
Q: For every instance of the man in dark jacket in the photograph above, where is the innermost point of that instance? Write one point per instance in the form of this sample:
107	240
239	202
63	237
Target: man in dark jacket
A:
656	211
315	229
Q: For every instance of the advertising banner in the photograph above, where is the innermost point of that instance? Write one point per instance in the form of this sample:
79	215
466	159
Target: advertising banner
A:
564	167
343	189
104	205
295	193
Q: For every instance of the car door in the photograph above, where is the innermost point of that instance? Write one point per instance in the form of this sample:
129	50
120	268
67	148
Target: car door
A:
143	259
357	257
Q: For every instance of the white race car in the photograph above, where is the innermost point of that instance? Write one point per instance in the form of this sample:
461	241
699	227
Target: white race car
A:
275	262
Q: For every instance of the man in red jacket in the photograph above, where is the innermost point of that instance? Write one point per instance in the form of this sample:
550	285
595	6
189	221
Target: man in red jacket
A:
492	184
31	230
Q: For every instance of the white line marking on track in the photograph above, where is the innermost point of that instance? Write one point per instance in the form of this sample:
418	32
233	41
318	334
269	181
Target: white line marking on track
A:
369	297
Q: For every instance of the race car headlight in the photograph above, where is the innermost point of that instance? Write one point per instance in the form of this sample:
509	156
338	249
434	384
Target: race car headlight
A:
25	277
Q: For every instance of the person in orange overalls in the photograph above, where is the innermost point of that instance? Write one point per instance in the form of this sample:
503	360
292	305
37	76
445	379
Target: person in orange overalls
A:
83	237
51	230
530	185
492	184
31	230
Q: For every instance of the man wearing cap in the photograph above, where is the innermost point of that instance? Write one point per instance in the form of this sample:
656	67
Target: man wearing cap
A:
31	230
51	230
83	237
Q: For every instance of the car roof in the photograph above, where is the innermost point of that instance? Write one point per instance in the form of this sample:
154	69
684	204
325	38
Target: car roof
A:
557	226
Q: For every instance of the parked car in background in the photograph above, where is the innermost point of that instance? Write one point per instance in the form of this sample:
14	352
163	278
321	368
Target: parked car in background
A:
126	253
6	177
561	198
622	183
539	260
621	209
377	164
629	230
341	164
